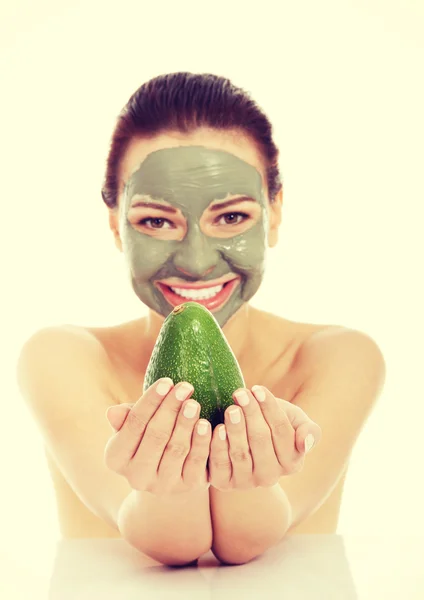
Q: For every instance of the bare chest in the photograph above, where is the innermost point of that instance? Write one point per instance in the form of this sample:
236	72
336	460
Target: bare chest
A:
270	361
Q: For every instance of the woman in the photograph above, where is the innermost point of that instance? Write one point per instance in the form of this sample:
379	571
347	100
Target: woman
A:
194	197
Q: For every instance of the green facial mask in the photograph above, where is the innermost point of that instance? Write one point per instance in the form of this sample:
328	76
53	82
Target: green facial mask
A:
190	178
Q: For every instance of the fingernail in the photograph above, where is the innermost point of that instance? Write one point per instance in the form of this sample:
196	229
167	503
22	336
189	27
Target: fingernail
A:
190	409
242	398
259	393
164	386
202	427
235	415
183	391
309	442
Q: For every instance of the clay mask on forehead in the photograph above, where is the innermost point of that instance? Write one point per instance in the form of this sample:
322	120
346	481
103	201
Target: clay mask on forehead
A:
190	178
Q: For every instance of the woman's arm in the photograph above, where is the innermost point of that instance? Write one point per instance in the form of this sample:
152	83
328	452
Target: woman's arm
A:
168	528
64	378
248	522
344	374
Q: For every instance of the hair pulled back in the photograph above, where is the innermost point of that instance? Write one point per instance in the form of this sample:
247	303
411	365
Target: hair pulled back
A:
183	102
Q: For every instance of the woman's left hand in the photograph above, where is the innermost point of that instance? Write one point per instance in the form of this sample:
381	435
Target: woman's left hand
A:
267	443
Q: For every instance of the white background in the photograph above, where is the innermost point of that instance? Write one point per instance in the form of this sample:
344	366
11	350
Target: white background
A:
342	82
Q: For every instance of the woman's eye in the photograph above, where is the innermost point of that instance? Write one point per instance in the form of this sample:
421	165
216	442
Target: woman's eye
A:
157	220
233	221
231	218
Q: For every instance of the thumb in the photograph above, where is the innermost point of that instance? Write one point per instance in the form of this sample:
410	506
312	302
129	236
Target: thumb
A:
117	414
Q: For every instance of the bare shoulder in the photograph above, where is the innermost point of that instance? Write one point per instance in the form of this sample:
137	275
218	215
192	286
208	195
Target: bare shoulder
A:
108	344
336	338
274	359
309	341
61	351
308	350
289	332
61	336
329	355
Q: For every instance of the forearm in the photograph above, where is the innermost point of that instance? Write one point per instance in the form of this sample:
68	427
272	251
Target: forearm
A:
247	522
174	529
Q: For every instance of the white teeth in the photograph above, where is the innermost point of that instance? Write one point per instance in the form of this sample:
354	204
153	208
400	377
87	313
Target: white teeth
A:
201	294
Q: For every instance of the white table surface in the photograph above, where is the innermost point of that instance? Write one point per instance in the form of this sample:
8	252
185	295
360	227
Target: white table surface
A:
313	567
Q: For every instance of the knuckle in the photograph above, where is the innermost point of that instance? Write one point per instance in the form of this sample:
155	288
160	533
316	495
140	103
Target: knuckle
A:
281	427
197	459
152	487
151	401
240	455
260	436
155	436
174	408
176	449
134	423
223	462
201	445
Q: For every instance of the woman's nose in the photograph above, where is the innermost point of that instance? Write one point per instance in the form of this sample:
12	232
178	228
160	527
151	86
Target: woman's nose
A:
196	255
191	274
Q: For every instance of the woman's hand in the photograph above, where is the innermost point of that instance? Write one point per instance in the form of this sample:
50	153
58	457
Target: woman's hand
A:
267	443
155	446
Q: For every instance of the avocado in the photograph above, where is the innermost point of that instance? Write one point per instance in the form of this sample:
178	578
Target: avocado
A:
192	347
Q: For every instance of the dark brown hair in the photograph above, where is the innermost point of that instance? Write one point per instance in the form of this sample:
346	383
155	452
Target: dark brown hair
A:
183	102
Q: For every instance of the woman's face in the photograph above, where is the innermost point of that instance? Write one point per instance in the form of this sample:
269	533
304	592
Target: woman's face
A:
194	216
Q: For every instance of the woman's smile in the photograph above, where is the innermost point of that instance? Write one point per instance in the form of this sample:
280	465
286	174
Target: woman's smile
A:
180	283
211	295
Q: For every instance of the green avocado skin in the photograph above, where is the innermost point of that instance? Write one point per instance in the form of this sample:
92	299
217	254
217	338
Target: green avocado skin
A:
192	347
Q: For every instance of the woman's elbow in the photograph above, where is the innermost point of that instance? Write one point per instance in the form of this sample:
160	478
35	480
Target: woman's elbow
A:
175	557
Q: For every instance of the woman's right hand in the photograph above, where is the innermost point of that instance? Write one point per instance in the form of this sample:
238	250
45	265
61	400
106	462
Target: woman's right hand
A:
155	447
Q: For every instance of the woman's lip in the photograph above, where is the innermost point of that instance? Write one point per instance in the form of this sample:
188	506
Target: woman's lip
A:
213	304
207	284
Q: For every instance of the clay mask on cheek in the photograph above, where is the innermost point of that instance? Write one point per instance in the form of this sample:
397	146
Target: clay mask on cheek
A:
190	178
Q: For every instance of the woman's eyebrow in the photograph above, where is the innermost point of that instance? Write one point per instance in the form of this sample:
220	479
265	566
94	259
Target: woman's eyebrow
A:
231	202
170	209
157	205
